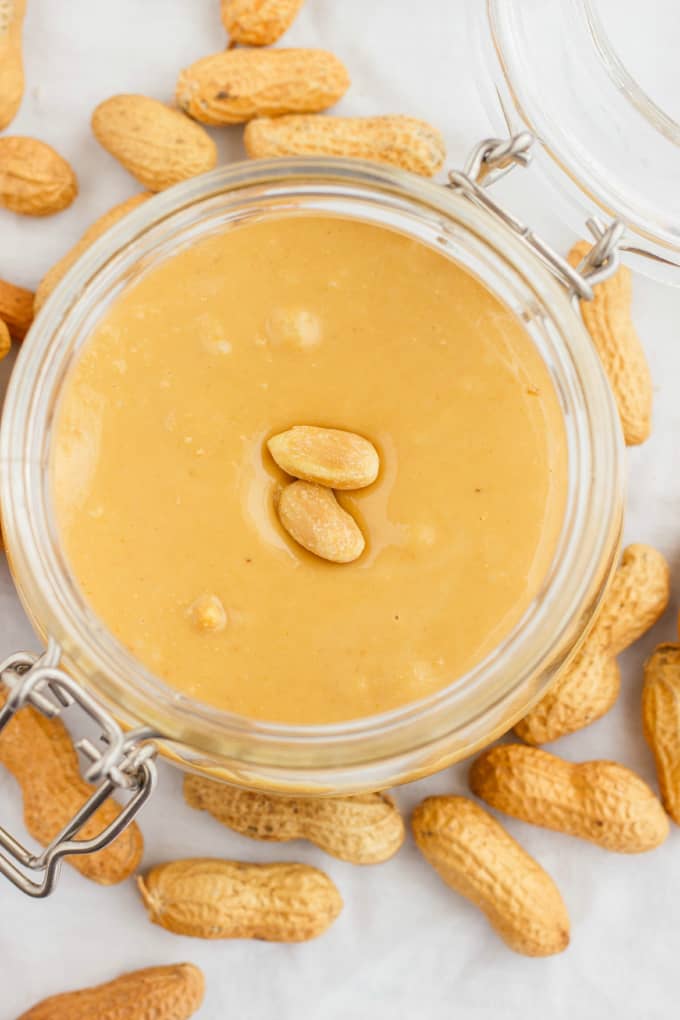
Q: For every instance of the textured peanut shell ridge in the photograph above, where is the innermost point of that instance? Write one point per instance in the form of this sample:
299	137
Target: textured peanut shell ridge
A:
332	457
589	684
158	145
215	899
92	234
599	801
477	858
174	992
400	141
41	757
5	340
34	179
661	721
608	319
365	829
16	309
237	85
11	59
258	22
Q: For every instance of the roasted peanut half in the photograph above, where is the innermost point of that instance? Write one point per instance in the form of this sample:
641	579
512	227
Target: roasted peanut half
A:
313	517
331	457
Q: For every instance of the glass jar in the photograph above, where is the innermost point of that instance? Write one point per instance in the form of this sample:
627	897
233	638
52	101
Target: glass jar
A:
368	753
596	83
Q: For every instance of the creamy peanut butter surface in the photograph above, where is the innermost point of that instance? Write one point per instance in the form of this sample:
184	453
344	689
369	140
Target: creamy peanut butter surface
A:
165	492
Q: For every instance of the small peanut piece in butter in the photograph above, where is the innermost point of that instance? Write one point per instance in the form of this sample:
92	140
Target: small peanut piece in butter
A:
208	614
330	457
313	517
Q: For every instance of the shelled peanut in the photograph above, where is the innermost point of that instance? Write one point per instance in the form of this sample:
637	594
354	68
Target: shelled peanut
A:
158	145
599	801
40	755
173	992
258	22
401	141
11	59
335	458
608	319
323	460
217	899
92	234
364	829
661	721
234	86
477	858
34	179
589	685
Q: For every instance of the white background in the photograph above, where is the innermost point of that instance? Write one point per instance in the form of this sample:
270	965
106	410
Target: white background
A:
405	946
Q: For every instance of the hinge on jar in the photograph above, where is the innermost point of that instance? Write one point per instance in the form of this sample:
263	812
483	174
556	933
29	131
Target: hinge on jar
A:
492	159
124	762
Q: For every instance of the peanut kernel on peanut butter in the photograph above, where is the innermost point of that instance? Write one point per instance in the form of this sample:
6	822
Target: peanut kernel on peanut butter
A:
313	517
208	614
334	458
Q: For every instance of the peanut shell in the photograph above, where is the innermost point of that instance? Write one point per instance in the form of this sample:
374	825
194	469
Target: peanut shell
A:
401	141
39	754
158	145
365	829
237	85
600	801
477	858
661	721
588	686
258	22
216	899
11	59
174	992
608	319
34	179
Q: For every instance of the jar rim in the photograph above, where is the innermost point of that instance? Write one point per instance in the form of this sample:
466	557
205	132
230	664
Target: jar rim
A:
371	751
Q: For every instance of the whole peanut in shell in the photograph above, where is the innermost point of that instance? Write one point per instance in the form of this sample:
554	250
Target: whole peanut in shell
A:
477	858
174	992
589	684
401	141
216	899
258	22
237	85
600	801
40	755
661	721
34	179
11	59
608	319
158	145
364	829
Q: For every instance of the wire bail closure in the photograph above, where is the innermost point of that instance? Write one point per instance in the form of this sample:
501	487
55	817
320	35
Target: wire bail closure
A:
119	761
492	159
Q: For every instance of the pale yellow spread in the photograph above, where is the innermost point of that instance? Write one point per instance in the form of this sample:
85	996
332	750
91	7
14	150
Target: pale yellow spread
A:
165	492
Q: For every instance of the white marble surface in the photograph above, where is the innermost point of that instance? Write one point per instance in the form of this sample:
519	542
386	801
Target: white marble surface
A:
404	946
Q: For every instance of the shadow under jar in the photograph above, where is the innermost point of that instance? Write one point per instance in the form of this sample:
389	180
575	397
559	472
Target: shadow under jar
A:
408	741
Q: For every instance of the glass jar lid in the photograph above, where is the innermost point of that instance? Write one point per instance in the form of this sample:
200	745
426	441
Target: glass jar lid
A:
598	86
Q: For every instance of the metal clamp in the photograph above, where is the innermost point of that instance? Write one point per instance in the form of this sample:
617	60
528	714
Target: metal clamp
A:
490	160
123	762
